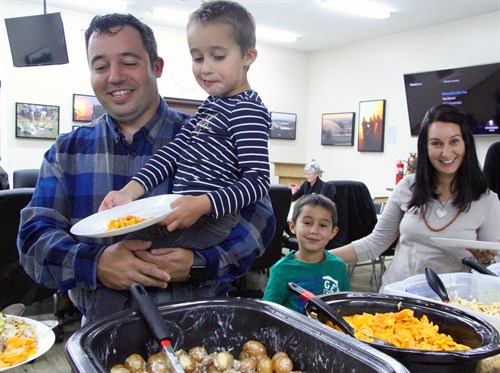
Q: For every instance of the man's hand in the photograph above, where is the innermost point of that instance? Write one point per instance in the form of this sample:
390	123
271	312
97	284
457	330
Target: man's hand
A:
118	268
188	209
175	261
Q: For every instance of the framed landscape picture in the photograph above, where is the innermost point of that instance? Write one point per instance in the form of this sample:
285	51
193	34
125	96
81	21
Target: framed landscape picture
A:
37	121
283	125
86	108
337	129
371	126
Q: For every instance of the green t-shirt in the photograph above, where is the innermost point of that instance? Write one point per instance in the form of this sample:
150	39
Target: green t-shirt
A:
326	277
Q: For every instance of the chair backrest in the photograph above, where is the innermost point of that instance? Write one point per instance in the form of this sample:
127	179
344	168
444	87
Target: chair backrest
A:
281	199
357	215
25	178
17	286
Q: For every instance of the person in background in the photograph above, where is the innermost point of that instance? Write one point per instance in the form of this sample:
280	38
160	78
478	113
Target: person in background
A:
314	221
312	184
447	197
81	167
491	168
214	185
4	179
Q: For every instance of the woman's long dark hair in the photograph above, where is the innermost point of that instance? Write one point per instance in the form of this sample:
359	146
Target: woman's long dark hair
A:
469	182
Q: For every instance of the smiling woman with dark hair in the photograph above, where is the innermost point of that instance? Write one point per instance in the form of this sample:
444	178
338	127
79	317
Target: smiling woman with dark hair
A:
447	197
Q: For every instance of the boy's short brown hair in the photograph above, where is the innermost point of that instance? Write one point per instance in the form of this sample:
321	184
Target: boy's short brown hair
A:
315	200
229	13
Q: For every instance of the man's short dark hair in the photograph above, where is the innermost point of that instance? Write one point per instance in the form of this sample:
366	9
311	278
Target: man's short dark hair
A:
106	23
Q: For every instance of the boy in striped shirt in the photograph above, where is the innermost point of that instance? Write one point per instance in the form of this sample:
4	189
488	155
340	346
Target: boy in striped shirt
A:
220	158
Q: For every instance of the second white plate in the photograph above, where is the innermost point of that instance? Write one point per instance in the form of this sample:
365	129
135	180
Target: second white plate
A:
467	244
156	208
45	340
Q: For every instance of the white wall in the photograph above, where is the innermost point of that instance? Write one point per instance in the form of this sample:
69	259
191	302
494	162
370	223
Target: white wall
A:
289	81
55	85
373	69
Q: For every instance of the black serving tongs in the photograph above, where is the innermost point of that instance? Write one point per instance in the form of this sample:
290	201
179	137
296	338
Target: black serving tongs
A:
436	284
156	323
469	261
329	312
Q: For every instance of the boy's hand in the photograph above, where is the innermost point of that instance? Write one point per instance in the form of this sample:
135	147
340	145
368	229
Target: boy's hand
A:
114	198
128	193
188	209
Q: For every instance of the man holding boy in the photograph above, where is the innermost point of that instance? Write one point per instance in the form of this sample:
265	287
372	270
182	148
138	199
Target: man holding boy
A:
82	166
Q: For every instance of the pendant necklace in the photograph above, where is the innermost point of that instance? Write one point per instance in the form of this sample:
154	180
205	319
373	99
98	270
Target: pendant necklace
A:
441	212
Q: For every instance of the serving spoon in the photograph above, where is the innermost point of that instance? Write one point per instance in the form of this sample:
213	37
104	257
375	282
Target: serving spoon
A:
15	309
330	313
436	284
469	261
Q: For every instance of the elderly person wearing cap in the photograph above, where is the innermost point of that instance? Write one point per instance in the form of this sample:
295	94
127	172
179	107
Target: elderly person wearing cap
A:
312	184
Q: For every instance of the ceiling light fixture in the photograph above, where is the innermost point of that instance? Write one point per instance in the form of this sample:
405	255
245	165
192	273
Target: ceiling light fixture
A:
269	34
171	16
363	8
108	5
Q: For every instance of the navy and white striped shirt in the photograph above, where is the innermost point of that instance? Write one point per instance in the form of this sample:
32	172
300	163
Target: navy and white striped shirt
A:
221	152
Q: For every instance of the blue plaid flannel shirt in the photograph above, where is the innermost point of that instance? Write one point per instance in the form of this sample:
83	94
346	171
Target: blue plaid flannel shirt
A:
77	172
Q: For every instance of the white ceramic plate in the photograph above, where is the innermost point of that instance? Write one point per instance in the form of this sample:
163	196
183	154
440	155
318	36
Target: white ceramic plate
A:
45	336
467	244
156	208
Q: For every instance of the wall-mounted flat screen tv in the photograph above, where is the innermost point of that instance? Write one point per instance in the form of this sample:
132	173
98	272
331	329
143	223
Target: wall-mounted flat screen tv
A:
475	90
37	40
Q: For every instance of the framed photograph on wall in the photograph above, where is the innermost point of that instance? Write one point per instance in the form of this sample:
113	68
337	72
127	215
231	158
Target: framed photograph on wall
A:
37	121
86	108
283	125
185	105
371	124
337	129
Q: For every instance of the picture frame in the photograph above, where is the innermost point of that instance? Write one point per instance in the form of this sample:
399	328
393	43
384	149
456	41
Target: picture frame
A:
37	121
86	108
184	105
337	129
371	125
283	125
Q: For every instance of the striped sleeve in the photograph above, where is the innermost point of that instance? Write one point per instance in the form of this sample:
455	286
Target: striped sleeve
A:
163	164
248	127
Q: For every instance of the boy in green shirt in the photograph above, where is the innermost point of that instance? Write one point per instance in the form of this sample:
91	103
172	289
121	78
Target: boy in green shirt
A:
314	221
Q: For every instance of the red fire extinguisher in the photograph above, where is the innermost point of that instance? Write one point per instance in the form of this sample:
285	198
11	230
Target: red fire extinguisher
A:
400	171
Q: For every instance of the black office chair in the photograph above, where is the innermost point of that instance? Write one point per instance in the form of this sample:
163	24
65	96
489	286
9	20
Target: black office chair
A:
357	215
26	178
357	218
17	286
281	198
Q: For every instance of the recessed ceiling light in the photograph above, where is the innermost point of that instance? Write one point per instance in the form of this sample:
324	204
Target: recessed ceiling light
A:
107	5
363	8
171	16
265	33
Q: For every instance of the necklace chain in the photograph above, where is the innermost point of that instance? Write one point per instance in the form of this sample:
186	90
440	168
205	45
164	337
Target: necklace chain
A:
443	227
